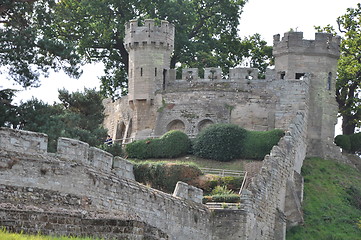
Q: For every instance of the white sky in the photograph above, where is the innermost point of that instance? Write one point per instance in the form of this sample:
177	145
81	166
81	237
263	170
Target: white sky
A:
267	17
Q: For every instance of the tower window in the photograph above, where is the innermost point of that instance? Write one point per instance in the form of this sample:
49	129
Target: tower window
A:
283	74
329	81
300	76
141	72
155	71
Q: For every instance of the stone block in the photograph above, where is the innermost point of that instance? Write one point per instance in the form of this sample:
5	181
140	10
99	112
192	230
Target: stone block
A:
24	141
100	159
183	190
123	168
72	149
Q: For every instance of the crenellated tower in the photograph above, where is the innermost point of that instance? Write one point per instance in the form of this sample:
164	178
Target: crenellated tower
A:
295	57
150	47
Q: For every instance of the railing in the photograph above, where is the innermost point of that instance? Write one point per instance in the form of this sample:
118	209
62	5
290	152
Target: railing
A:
227	173
223	172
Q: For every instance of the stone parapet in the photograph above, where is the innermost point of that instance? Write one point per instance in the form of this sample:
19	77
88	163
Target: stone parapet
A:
149	34
293	42
185	191
23	141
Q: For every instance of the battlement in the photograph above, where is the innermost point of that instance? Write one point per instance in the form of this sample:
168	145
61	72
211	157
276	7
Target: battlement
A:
67	150
293	42
149	34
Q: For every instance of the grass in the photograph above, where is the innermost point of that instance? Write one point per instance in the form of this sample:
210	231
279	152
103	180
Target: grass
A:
200	162
5	235
331	212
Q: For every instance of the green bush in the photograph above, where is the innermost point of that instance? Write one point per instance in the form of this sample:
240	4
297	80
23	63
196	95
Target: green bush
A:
115	149
164	176
172	144
222	142
258	144
349	143
221	190
344	142
355	140
228	198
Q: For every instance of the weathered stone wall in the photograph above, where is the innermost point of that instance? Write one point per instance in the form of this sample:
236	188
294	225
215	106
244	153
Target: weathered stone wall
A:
104	190
62	224
264	199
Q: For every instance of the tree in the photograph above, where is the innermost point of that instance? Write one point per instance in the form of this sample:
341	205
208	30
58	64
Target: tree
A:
349	68
8	111
29	46
79	116
206	33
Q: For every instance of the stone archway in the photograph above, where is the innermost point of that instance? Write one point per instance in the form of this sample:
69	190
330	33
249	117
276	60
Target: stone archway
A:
176	125
204	123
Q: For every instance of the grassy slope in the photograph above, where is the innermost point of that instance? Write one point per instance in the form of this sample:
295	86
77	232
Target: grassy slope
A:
4	235
328	212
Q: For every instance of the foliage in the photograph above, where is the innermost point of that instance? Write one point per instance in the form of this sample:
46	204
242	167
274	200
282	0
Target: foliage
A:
164	176
206	34
259	143
349	143
221	190
115	149
209	182
79	116
6	235
222	142
29	45
328	211
8	111
227	198
344	142
355	140
349	69
172	144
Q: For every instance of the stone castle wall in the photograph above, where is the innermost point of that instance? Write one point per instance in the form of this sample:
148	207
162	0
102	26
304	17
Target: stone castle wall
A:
67	188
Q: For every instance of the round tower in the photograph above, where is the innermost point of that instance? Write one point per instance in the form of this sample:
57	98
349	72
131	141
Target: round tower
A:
149	47
295	57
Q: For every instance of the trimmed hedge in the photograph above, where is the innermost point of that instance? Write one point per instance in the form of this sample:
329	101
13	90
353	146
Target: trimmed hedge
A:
259	143
164	176
228	198
349	143
172	144
222	142
344	142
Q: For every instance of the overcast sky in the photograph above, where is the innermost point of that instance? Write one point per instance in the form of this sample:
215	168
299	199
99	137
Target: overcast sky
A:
267	17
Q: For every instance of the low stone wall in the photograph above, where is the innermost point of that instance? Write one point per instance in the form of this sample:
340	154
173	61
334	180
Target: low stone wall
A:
62	224
69	172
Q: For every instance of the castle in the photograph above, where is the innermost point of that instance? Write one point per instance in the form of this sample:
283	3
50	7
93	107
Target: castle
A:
303	77
84	191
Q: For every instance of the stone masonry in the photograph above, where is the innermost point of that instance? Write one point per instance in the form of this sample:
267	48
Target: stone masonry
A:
304	73
80	190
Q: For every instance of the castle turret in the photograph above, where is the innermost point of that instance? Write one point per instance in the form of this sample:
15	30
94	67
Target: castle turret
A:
295	57
149	47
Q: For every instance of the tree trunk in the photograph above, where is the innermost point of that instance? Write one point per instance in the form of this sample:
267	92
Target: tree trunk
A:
348	125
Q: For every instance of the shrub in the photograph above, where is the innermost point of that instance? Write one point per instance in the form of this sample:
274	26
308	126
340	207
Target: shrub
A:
229	198
259	143
115	149
221	190
164	176
344	142
222	142
171	144
355	140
